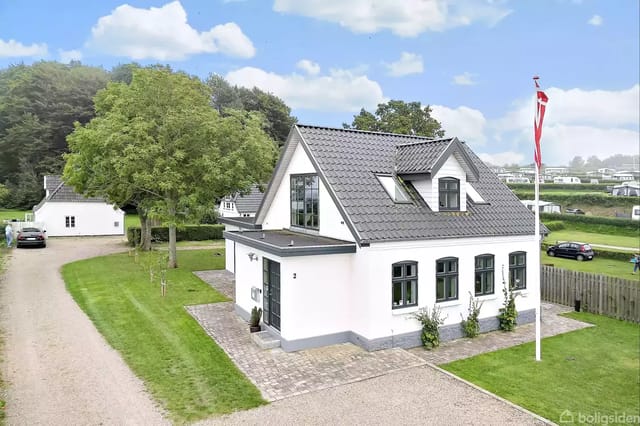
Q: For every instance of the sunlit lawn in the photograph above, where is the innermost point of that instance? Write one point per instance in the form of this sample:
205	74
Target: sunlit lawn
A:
12	214
613	268
593	370
183	368
131	219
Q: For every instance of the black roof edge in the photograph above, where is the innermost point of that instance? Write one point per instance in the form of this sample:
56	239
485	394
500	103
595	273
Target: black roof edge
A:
236	221
290	251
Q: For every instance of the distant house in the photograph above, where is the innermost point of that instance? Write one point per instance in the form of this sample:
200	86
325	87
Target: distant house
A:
63	212
543	206
359	230
623	176
241	205
556	170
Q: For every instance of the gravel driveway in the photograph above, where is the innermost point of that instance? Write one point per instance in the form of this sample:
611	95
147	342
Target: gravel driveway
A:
59	370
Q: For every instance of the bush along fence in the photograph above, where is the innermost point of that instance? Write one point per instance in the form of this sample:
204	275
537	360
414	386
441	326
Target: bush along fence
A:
598	294
184	233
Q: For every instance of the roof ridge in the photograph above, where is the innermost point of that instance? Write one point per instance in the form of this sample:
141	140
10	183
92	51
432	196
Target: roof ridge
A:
427	141
364	131
55	191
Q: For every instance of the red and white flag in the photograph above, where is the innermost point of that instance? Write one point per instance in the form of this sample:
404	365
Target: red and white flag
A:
541	106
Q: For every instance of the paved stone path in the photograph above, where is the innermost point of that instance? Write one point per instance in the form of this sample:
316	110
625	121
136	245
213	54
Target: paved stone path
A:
222	281
280	374
551	324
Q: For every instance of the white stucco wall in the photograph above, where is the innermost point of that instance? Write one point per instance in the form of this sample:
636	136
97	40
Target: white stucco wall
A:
90	219
279	215
232	211
352	292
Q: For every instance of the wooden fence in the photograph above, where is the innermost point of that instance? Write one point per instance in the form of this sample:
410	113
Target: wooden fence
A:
598	294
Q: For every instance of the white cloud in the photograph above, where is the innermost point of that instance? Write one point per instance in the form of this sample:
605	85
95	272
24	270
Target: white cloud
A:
409	63
503	158
467	124
464	79
340	90
67	56
164	34
596	20
308	66
406	18
14	49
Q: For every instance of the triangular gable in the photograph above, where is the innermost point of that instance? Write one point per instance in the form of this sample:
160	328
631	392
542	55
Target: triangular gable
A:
428	157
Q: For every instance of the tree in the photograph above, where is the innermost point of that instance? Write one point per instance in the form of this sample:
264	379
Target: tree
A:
577	164
398	117
162	144
38	106
277	115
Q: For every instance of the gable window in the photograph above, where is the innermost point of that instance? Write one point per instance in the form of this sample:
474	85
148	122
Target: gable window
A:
69	221
449	190
404	284
304	201
393	188
484	274
518	270
446	279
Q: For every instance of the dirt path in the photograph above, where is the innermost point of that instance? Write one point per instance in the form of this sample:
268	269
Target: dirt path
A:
59	370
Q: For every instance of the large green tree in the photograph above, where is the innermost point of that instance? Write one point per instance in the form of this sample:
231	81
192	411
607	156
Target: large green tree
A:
38	105
277	115
409	118
158	142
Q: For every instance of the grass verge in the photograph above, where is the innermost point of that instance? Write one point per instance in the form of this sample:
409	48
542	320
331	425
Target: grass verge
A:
589	372
182	367
599	266
593	238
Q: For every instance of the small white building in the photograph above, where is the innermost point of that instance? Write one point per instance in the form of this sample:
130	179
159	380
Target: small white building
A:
63	212
357	231
241	205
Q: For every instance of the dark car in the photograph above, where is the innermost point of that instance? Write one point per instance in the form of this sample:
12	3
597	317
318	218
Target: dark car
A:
574	211
578	251
31	237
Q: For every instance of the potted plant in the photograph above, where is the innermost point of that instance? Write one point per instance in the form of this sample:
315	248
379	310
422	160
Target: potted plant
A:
254	321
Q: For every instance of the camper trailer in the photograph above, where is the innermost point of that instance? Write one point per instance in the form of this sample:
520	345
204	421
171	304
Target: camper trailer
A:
635	213
566	179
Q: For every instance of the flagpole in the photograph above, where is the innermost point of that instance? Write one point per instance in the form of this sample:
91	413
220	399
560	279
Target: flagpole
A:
536	236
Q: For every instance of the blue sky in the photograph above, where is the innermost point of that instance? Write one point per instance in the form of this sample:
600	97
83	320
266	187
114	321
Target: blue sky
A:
471	60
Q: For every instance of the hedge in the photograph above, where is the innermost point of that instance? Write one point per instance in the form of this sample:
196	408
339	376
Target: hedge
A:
184	233
581	198
584	187
554	225
595	224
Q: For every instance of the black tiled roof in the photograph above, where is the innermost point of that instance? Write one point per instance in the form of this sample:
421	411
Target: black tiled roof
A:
348	161
248	203
59	192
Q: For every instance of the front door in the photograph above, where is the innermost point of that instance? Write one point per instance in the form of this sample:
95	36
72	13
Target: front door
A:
271	293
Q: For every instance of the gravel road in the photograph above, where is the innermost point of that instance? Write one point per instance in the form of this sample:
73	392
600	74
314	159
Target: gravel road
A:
58	368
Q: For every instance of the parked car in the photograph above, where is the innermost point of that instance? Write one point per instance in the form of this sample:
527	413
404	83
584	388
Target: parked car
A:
31	237
578	251
573	211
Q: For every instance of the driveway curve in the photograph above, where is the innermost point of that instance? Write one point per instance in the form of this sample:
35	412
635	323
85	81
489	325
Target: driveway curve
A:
58	368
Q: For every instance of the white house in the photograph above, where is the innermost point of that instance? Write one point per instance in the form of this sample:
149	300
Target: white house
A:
241	205
358	230
63	212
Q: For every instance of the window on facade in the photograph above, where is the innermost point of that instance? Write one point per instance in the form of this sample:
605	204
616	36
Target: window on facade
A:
518	270
70	221
393	188
404	284
449	189
446	279
304	201
484	274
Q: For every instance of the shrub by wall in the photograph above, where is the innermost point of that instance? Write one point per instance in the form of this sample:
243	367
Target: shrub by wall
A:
554	225
184	233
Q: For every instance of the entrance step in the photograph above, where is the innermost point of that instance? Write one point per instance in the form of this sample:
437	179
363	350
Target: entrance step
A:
265	340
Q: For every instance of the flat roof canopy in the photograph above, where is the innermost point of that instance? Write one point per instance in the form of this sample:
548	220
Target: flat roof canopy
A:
286	243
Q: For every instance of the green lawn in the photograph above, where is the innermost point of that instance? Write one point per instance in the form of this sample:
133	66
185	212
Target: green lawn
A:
12	214
614	268
182	367
589	371
591	238
131	219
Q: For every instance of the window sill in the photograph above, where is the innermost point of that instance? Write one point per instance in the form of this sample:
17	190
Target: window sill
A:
486	297
449	303
523	292
404	311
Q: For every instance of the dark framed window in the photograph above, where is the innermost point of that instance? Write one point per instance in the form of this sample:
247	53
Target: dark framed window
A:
305	211
484	274
518	270
446	279
404	284
70	221
449	189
